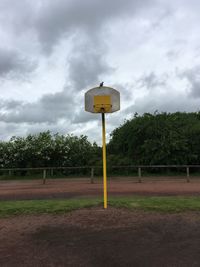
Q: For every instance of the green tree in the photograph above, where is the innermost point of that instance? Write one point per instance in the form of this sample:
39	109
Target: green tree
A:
159	138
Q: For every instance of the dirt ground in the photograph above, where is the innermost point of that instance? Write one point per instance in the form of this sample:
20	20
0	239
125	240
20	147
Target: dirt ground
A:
73	188
97	237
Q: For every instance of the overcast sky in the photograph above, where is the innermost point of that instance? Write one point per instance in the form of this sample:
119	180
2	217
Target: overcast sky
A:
52	52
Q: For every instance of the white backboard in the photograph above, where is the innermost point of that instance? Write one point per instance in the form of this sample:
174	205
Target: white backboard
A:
102	100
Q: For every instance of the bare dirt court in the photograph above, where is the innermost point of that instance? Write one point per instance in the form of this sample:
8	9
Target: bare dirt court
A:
70	188
97	237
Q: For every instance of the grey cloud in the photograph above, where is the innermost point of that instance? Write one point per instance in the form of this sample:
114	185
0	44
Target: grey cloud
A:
164	103
167	99
13	63
57	18
50	108
87	22
18	16
23	129
124	89
151	81
9	104
193	77
11	129
85	68
87	65
59	127
172	54
82	117
52	21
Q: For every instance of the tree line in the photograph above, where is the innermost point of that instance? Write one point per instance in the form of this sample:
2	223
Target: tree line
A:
47	150
149	139
157	139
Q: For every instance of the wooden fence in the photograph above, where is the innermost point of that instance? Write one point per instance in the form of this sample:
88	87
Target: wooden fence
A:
92	169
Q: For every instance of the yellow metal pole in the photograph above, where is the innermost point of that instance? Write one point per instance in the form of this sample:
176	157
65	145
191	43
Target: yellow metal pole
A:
104	161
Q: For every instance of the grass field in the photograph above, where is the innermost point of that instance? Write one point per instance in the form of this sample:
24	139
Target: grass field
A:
156	204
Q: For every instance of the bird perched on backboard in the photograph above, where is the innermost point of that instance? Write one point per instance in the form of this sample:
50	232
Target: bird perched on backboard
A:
101	84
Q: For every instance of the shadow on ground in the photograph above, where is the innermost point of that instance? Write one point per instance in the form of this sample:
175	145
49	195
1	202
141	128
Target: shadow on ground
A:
93	237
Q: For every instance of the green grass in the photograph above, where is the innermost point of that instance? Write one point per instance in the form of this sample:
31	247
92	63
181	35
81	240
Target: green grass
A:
44	206
155	204
158	204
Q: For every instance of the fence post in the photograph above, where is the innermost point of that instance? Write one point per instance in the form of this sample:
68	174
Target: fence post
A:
188	174
51	172
92	176
9	172
44	176
139	175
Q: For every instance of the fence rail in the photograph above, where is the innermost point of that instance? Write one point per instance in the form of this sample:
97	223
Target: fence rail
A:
92	169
